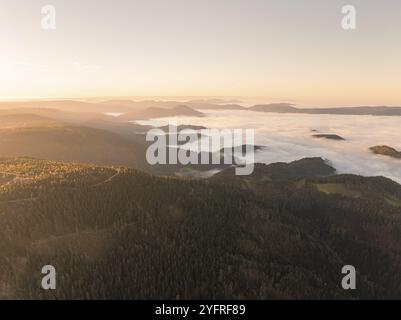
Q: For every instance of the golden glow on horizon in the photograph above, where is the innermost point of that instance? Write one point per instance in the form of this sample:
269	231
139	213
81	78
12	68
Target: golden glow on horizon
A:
308	60
23	80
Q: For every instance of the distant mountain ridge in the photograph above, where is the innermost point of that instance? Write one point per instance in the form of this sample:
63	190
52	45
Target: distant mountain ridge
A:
128	106
117	106
156	112
364	110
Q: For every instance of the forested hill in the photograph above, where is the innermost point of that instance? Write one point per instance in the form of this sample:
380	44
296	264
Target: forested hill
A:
118	233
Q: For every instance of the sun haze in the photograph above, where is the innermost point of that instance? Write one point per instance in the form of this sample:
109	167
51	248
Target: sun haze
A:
280	50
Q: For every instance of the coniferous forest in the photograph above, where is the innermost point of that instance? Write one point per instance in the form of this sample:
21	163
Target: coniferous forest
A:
118	233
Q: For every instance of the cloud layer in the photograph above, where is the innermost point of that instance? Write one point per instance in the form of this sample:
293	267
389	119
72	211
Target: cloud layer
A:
288	137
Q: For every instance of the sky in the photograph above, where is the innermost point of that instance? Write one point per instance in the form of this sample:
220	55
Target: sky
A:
278	50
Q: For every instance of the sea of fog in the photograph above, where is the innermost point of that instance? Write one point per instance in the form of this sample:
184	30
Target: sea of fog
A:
288	137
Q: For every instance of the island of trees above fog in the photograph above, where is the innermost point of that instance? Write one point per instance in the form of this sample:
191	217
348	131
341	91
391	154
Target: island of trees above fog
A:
386	151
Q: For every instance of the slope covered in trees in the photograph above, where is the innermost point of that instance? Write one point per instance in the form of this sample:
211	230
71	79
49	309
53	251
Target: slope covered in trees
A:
113	232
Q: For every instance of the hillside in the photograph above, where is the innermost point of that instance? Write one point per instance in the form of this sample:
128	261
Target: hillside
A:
122	234
304	168
99	140
57	141
23	120
87	139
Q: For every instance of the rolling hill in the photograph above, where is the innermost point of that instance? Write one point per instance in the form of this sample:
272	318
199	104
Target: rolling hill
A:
83	138
38	137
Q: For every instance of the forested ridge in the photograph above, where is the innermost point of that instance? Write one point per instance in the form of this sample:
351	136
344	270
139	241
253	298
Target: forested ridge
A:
113	232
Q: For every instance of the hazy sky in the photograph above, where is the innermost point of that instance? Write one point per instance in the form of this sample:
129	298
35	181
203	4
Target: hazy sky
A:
278	49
